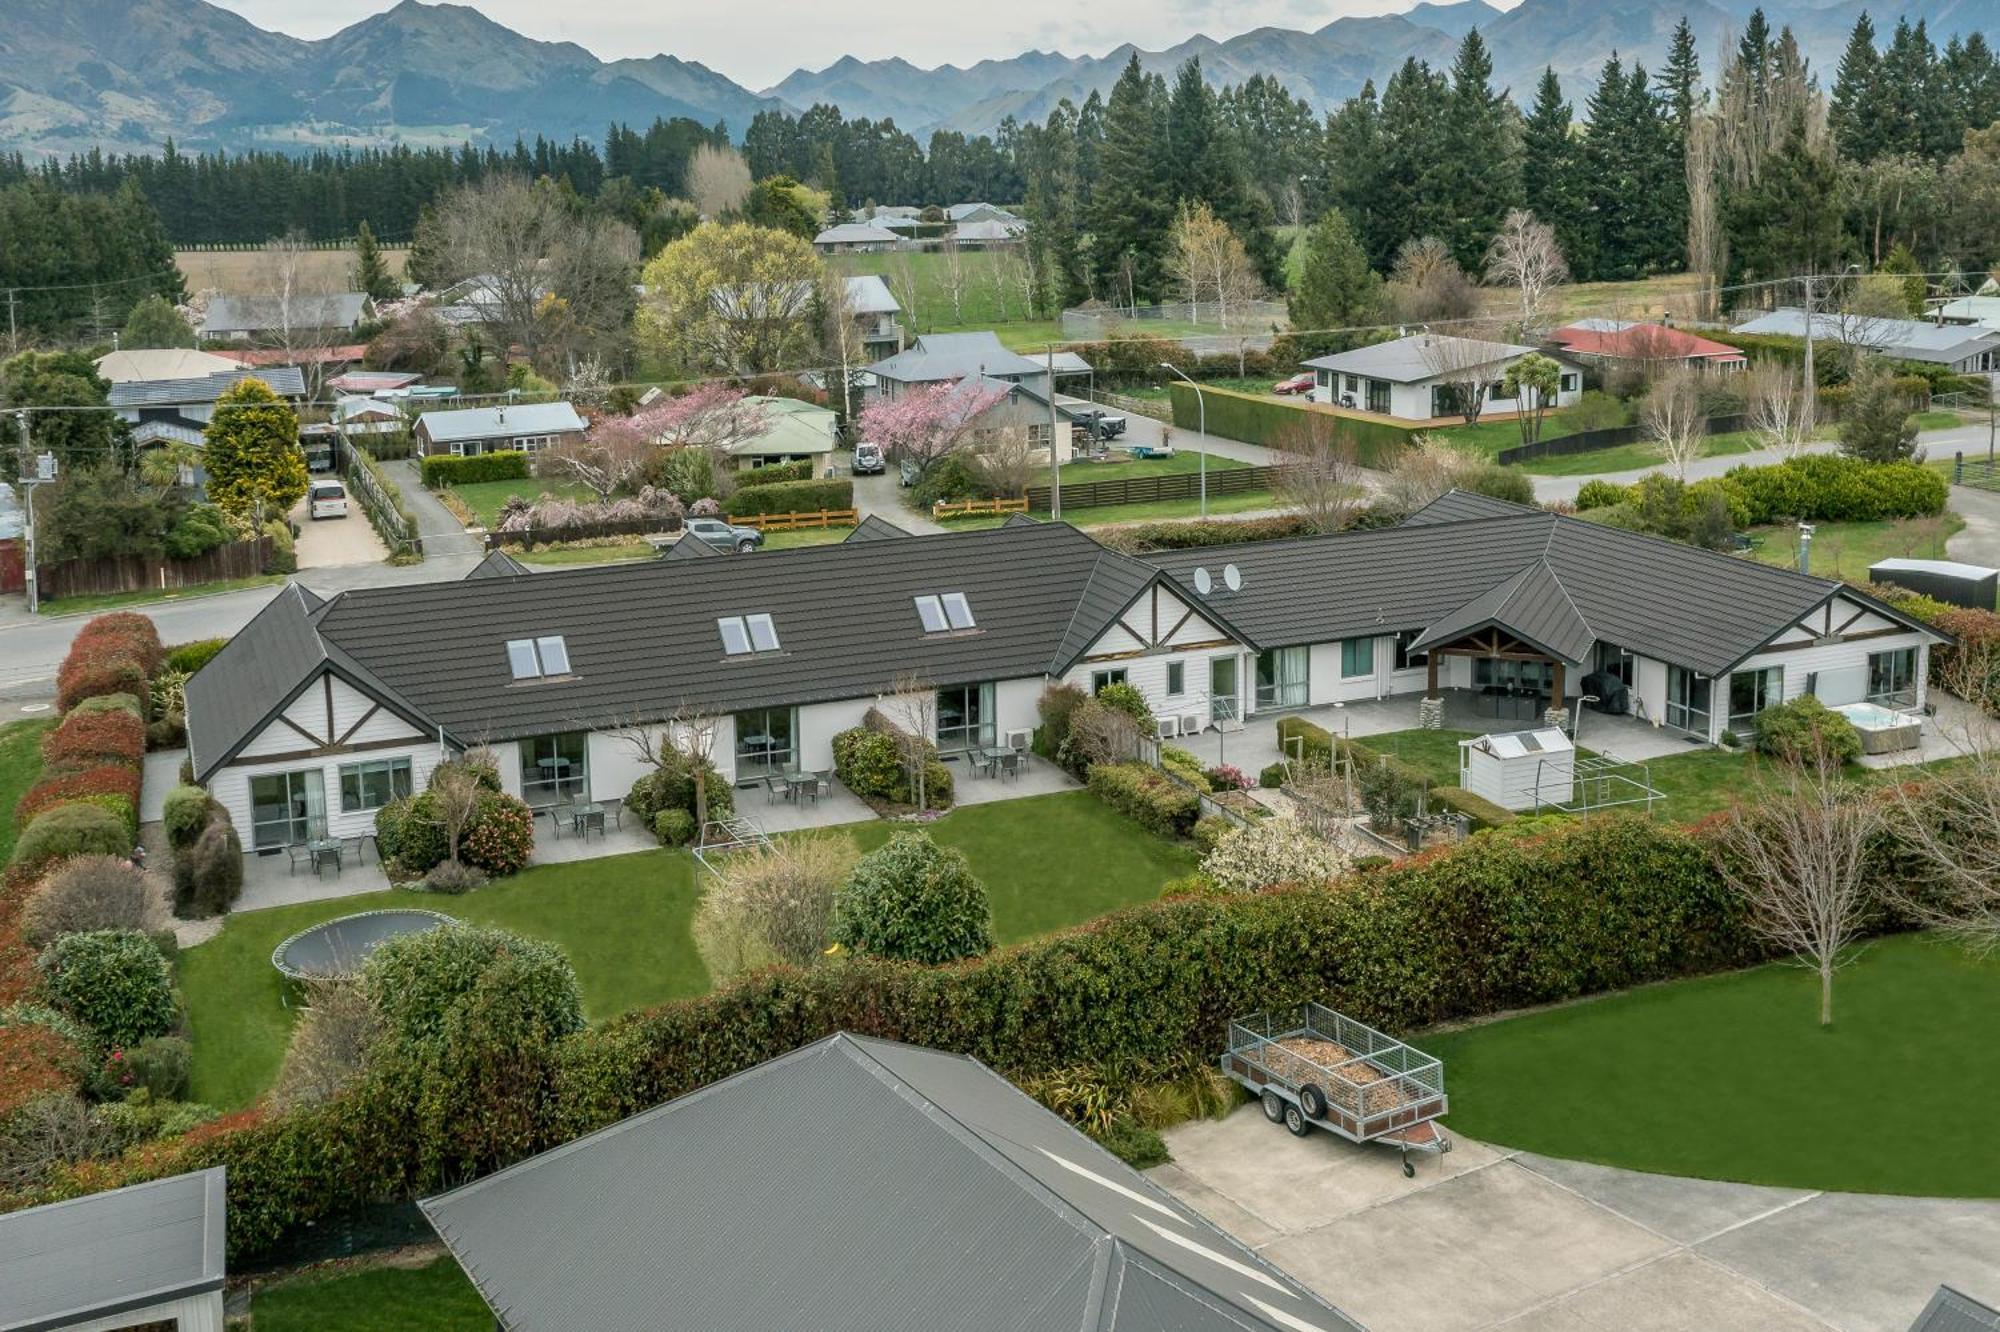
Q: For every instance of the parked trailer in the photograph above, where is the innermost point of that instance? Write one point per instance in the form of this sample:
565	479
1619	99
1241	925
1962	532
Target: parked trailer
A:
1314	1068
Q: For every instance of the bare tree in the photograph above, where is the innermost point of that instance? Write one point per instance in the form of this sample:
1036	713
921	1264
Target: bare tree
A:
841	339
1524	255
1318	476
951	276
687	738
296	303
1207	261
1778	409
899	270
455	794
1949	830
718	180
1005	462
1423	472
612	454
912	707
1464	366
1673	418
1799	860
1428	287
1707	245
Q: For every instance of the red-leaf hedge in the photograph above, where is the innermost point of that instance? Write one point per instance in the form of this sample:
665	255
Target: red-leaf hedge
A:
113	654
84	739
33	1062
104	779
123	631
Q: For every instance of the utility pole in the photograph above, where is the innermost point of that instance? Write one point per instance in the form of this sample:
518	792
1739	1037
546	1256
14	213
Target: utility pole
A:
1201	428
34	472
1055	458
1812	384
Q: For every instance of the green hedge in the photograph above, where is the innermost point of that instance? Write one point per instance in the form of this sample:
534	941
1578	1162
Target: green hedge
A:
1146	796
1260	420
792	497
1833	488
773	474
1483	812
447	470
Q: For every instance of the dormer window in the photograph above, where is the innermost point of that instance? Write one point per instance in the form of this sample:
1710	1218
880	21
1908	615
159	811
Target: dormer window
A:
743	635
945	613
537	658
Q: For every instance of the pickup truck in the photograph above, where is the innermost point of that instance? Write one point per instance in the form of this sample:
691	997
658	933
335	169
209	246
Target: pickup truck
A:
725	536
1101	424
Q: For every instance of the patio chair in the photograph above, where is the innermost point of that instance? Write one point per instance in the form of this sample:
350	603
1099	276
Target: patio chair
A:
825	777
299	853
352	846
614	809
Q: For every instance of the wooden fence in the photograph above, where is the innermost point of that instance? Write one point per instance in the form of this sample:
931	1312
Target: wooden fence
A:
375	493
139	573
962	508
1148	489
1590	441
1156	408
786	522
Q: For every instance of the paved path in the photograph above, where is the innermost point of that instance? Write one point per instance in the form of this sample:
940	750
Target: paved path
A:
1978	542
442	533
1490	1238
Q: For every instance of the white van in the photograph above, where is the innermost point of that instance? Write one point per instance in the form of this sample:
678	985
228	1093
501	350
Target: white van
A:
328	499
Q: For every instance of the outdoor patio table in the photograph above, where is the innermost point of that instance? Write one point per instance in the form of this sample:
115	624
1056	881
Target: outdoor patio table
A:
582	818
324	850
802	785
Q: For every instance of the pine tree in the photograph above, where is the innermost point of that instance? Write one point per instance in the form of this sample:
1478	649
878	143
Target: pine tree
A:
155	323
1479	172
1133	201
1855	112
251	452
1352	163
371	274
1788	221
1877	426
1336	288
1682	78
1552	186
1409	200
428	263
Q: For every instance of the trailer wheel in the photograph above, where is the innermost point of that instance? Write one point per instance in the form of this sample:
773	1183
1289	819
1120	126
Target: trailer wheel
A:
1313	1099
1274	1107
1409	1170
1296	1121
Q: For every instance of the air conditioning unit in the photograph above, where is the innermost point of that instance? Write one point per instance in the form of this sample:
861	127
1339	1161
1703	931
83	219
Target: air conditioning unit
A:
1020	739
1169	727
1193	723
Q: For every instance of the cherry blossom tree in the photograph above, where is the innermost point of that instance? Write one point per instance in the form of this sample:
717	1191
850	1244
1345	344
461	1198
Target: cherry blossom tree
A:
713	416
613	454
922	425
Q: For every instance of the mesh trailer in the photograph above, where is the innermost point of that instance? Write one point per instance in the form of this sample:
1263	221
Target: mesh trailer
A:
1314	1068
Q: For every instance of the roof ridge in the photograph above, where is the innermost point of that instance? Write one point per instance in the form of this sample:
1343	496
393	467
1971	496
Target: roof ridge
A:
1555	576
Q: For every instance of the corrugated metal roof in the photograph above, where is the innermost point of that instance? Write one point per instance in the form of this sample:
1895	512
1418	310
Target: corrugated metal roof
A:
1418	357
284	380
954	356
108	1253
522	418
1910	339
854	1184
854	233
259	314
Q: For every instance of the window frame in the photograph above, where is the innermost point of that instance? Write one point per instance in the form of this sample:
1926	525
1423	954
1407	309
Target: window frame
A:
740	647
389	768
1346	650
762	620
570	784
1681	710
1110	675
1900	667
1403	661
955	605
931	607
1768	685
1176	679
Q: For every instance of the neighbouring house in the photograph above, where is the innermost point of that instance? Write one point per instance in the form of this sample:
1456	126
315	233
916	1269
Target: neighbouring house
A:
855	238
871	304
145	364
794	431
1628	342
324	707
875	308
256	319
165	411
372	381
1959	348
526	427
341	354
902	220
147	1255
950	357
1980	311
853	1185
1421	377
982	212
983	235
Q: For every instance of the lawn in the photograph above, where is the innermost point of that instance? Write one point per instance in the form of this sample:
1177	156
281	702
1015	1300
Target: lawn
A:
1633	457
1845	550
1100	515
98	602
1730	1077
1047	862
20	768
1184	462
623	921
615	552
484	498
1161	393
435	1297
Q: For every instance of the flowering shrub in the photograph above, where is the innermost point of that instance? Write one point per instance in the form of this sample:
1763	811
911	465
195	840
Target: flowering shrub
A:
554	517
85	738
502	836
1272	852
1227	777
705	507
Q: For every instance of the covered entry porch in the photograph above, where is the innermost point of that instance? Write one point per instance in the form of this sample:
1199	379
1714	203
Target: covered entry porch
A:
1509	677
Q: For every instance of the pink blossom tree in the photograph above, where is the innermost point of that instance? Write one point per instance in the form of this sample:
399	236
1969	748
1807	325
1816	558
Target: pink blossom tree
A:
613	454
923	424
713	416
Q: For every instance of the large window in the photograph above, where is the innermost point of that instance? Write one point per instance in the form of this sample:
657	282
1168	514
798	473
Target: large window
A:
1378	396
1511	676
1892	677
1357	658
1687	700
1222	703
1281	678
287	808
1404	661
1750	692
766	742
371	785
555	768
965	717
1099	679
1614	660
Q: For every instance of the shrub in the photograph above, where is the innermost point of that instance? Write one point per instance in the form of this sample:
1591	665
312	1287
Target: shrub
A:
1272	852
1598	493
1126	699
870	761
407	832
415	980
208	875
502	835
126	632
85	894
1389	792
1226	777
84	739
1271	776
1101	733
1056	706
334	1034
1828	487
1803	729
1143	538
184	814
773	904
446	470
674	827
125	703
773	473
158	1066
36	1059
671	786
1146	797
1208	831
916	901
1482	812
76	829
120	781
112	981
1504	483
1134	1144
284	556
1185	766
792	497
453	877
187	658
84	675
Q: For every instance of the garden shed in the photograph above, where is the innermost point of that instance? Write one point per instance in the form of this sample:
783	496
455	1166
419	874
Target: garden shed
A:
1519	769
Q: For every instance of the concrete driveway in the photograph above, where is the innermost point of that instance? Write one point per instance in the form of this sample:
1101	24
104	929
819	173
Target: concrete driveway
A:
1489	1238
331	542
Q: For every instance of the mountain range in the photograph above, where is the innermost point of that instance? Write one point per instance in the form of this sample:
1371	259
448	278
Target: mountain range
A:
126	74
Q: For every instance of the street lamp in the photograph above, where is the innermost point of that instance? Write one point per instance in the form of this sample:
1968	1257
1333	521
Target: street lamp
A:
1201	428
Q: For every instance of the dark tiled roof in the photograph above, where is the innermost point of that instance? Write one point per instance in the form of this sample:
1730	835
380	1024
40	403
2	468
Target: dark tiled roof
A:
1533	605
287	381
691	547
875	528
1954	1311
855	1185
498	564
1457	506
110	1253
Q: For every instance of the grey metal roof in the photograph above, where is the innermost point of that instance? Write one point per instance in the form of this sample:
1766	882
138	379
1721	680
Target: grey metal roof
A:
1909	339
287	381
854	233
522	418
938	356
1416	358
1532	605
498	564
260	314
874	528
105	1254
868	294
1457	506
855	1184
1954	1311
691	547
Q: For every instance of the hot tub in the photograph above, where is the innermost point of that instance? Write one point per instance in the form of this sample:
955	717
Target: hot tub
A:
1883	731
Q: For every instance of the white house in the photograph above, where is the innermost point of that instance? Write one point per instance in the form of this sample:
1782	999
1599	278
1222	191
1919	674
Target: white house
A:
1961	348
527	427
1421	377
855	238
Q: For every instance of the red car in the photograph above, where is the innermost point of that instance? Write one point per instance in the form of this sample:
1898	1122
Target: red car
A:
1296	384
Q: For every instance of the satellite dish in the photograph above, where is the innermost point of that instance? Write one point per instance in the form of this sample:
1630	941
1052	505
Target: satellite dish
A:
1232	578
1202	582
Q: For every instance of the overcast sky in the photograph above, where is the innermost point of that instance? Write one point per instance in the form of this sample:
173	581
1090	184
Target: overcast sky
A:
758	42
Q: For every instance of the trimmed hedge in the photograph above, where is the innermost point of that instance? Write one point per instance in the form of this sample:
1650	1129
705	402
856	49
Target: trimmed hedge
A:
113	981
448	470
79	828
773	474
1483	812
792	497
1833	488
191	657
125	703
115	785
86	738
1146	796
1255	419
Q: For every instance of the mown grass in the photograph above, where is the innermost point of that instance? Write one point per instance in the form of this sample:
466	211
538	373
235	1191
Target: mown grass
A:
20	768
98	602
484	498
434	1297
1846	550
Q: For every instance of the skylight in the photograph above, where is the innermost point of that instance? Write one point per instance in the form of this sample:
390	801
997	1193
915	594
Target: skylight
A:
932	614
945	613
533	658
958	610
745	634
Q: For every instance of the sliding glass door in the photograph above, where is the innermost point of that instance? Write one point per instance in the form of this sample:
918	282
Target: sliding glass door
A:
965	717
1223	705
1687	700
1281	678
555	768
287	808
767	742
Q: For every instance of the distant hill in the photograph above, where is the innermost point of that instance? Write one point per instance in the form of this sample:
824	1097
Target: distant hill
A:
125	74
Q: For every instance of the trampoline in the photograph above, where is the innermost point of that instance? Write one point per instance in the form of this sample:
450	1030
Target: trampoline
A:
334	949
